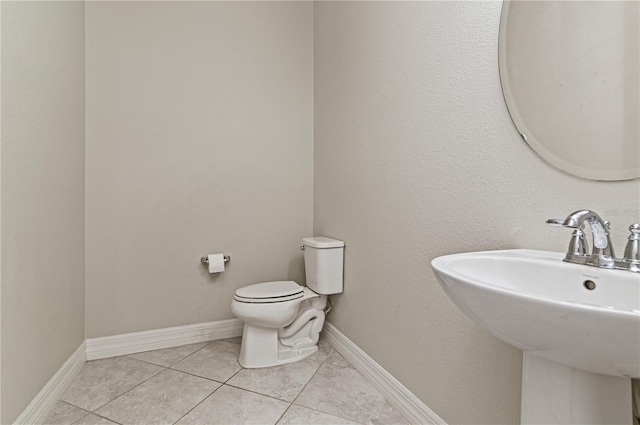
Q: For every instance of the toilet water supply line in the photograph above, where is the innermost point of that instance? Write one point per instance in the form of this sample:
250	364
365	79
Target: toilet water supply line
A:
327	309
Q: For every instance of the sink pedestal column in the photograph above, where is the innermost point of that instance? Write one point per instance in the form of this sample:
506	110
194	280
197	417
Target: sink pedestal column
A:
557	394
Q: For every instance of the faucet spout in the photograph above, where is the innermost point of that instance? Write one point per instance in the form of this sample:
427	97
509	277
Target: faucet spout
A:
576	219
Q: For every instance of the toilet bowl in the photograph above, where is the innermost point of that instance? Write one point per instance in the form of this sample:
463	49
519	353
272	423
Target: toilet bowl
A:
282	319
268	339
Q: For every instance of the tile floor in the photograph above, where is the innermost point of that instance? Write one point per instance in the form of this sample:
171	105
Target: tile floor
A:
203	384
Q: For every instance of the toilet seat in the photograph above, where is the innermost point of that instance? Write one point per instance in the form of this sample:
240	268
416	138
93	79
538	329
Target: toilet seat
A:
270	292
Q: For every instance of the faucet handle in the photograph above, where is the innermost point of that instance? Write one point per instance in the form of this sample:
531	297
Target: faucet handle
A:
632	251
557	222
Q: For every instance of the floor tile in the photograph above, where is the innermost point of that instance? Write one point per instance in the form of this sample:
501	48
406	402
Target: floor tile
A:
217	361
100	381
92	419
229	405
343	392
163	399
324	349
64	414
298	415
235	339
336	359
168	356
388	416
284	382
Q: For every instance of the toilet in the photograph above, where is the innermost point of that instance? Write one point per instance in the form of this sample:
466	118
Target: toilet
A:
282	319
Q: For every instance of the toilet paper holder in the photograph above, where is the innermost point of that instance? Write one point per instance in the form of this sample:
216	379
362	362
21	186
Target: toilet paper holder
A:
205	259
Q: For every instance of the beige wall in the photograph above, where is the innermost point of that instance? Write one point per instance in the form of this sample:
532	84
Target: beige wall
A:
415	157
199	140
42	195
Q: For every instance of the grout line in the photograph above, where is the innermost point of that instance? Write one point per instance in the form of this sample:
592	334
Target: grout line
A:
100	416
305	386
327	413
79	419
164	368
198	350
311	379
275	398
314	374
204	377
198	404
221	385
179	371
328	355
89	413
189	355
283	413
130	389
231	377
257	393
73	405
156	364
197	376
145	361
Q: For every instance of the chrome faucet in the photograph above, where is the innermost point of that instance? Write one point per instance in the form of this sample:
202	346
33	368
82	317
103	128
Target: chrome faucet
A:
602	254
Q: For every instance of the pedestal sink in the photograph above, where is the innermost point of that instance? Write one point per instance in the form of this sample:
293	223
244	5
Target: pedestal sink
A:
580	316
576	324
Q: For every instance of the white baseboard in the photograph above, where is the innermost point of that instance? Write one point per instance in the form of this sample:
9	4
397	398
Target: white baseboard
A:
410	406
137	342
41	405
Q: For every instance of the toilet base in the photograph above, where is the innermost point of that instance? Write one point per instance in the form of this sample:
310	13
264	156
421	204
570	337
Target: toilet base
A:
261	347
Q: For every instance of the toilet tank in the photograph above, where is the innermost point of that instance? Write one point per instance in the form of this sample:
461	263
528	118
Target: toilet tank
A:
323	262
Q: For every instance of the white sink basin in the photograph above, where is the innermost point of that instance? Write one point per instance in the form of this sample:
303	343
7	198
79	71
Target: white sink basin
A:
536	302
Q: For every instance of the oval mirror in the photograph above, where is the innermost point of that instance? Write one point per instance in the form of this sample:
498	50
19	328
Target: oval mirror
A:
570	77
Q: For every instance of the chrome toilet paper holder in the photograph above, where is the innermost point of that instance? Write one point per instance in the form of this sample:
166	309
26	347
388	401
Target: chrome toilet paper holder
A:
205	259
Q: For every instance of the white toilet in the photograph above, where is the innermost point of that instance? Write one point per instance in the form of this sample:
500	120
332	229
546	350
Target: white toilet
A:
283	320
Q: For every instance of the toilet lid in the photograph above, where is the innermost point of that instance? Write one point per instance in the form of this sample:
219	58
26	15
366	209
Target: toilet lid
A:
268	290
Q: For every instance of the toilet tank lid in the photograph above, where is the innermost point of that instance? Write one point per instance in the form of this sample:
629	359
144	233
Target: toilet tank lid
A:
322	242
